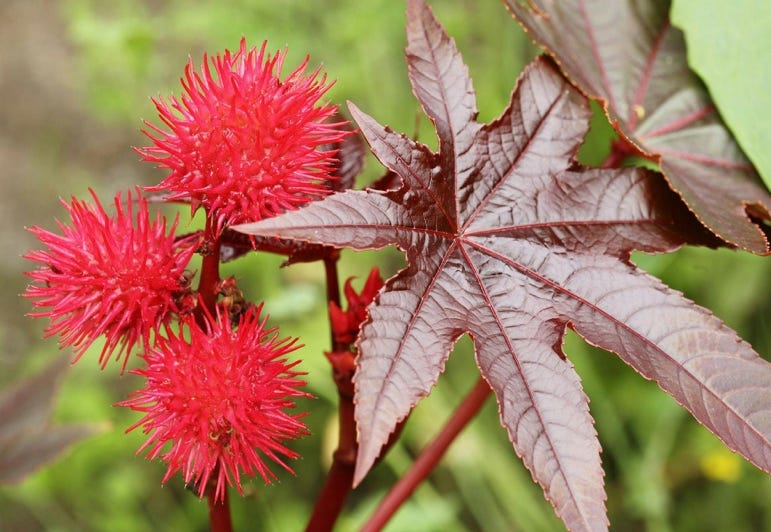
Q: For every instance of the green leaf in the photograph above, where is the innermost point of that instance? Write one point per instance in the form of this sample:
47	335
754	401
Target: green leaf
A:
728	44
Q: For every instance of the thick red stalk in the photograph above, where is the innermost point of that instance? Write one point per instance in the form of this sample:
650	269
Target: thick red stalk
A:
429	458
208	288
208	285
340	478
219	511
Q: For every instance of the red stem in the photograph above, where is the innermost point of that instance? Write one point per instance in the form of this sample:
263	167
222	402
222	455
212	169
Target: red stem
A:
208	291
339	481
208	285
340	478
429	458
219	511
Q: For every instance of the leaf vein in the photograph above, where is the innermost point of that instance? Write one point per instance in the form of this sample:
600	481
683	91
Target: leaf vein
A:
542	424
583	301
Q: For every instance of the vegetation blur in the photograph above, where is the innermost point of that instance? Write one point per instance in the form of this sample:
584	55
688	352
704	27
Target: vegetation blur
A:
76	77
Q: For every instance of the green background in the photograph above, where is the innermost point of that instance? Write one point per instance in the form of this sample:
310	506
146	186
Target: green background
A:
75	82
728	46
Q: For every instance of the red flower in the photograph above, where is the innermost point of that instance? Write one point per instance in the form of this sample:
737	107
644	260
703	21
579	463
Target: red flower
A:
345	325
106	276
243	143
220	400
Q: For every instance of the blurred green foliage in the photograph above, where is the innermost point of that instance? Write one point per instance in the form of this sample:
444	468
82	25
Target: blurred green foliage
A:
732	60
663	470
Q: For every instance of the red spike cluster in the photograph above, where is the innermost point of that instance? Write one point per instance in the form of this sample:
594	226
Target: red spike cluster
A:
218	395
114	276
242	142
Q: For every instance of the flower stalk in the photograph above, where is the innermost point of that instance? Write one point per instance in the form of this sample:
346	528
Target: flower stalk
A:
344	327
208	284
429	458
219	511
339	481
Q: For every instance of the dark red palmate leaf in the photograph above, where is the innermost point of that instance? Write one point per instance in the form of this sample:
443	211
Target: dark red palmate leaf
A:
509	240
28	440
626	54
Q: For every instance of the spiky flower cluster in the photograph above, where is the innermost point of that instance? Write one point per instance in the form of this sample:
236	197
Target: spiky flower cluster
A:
219	399
242	142
244	145
118	276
